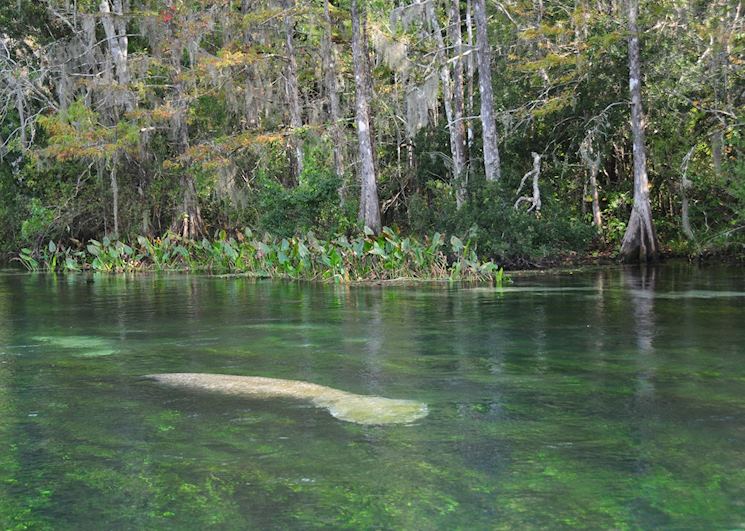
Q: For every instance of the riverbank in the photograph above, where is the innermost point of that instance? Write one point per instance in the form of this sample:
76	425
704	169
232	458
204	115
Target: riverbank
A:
367	257
387	258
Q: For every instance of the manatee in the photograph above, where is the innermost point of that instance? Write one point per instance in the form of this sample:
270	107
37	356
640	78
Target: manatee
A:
360	409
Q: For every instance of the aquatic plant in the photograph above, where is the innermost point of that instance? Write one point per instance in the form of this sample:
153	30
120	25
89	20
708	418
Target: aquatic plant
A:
83	346
360	409
365	257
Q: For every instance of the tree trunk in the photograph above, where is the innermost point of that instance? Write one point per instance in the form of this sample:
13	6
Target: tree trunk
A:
591	158
535	174
470	74
369	89
717	141
115	28
114	198
188	216
458	126
685	219
597	217
492	169
640	241
293	96
369	206
455	120
332	93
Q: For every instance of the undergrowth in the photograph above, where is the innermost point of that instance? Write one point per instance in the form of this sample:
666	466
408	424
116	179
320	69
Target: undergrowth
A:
341	259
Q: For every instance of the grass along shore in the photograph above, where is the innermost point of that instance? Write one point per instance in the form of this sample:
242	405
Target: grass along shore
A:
386	256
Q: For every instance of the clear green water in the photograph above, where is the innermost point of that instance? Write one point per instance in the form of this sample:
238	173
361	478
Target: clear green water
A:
609	399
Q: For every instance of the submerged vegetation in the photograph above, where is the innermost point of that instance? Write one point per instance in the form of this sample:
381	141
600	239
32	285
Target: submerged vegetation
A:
370	257
536	420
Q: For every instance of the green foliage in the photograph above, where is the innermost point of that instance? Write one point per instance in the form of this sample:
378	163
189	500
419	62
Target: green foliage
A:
311	205
365	257
207	125
497	229
38	223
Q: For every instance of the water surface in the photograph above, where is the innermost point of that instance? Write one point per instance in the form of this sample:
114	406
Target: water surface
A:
612	398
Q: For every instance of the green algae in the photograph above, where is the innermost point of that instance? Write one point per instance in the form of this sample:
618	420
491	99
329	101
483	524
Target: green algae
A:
536	421
85	346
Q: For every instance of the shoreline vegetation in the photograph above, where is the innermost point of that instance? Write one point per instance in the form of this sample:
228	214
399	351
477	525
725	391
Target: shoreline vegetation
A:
367	257
545	133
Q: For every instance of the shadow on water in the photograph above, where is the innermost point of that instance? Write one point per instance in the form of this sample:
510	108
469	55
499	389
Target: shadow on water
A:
610	398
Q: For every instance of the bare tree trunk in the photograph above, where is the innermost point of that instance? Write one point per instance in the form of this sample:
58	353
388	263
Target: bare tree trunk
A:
117	43
115	28
470	74
492	168
187	220
332	93
293	95
591	158
369	205
597	217
640	241
535	173
114	198
458	126
717	141
455	122
20	108
369	88
685	219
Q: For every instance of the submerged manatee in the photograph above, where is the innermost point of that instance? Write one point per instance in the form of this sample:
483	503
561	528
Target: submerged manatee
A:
350	407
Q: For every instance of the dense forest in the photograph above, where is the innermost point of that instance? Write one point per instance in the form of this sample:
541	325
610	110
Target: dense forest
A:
527	128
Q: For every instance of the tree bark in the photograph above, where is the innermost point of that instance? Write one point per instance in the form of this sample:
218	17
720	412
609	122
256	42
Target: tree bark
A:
685	219
597	217
458	126
114	198
454	118
535	174
640	241
188	216
492	169
332	93
115	28
591	158
118	43
717	141
369	205
293	95
470	74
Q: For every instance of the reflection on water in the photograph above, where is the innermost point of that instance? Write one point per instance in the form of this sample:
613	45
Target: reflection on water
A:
613	398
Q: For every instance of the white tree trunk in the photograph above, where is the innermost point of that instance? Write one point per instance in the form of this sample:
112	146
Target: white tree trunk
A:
685	219
369	205
293	94
458	126
332	92
455	120
597	217
640	241
535	173
489	127
115	28
115	198
470	74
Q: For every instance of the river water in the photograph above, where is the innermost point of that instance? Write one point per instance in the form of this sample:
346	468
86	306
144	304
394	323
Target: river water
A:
602	399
